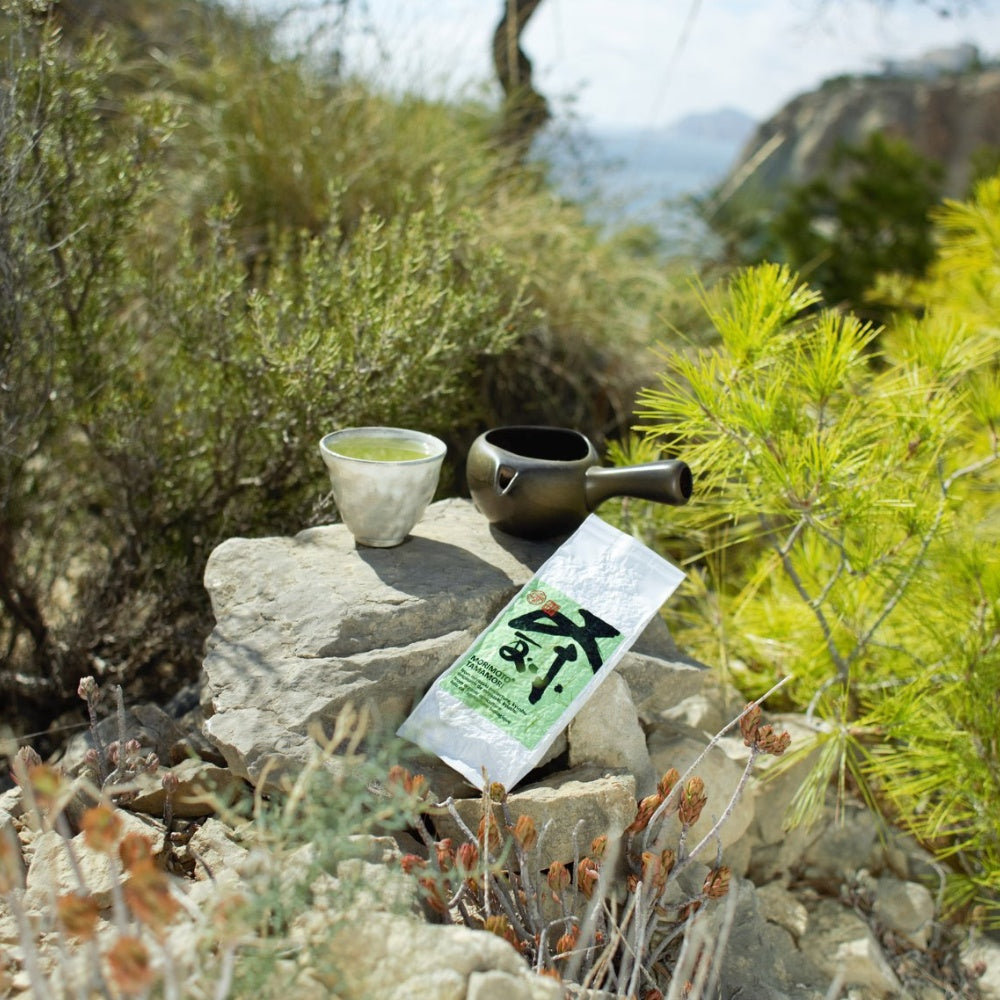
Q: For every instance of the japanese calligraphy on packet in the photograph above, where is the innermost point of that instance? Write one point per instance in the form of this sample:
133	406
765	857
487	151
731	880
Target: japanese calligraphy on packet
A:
500	706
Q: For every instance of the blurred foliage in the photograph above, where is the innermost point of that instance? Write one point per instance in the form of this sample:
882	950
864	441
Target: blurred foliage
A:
214	251
866	213
846	509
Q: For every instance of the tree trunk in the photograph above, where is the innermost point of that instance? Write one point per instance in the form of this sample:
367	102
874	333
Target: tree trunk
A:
525	110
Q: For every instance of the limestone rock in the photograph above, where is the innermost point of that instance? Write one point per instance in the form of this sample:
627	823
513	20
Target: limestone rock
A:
385	957
52	870
310	624
760	959
983	955
606	733
584	800
214	849
842	944
779	906
907	908
202	789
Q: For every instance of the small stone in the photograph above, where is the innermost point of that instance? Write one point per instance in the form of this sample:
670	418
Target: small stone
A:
842	944
779	906
984	953
906	908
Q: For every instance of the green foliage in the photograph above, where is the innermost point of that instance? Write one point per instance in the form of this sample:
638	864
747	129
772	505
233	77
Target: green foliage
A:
846	505
866	214
161	393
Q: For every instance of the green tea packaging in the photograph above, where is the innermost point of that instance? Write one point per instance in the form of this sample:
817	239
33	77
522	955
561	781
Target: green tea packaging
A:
494	713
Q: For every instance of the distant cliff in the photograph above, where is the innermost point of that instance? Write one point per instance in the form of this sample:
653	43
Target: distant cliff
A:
946	119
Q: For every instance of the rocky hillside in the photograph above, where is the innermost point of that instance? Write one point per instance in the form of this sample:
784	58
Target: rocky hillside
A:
947	118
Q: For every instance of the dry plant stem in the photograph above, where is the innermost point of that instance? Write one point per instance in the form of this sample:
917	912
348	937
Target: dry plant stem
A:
593	913
679	785
39	984
122	765
227	966
102	764
683	861
720	942
531	896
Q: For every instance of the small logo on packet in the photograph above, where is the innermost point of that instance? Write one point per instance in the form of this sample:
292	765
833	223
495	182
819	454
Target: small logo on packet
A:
535	597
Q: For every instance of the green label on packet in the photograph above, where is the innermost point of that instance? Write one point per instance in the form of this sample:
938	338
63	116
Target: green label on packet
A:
526	669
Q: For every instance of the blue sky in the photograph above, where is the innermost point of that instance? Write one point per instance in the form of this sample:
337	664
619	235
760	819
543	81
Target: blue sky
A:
649	62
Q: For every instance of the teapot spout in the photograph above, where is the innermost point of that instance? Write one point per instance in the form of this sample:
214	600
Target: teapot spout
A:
669	481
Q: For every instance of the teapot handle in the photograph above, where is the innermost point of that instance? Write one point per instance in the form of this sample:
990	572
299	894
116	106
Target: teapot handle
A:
668	481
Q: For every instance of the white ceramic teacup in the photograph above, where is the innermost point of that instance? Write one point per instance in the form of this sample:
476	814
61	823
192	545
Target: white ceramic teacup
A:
383	478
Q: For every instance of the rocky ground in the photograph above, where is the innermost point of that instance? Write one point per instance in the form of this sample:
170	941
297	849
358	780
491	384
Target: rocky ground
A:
843	908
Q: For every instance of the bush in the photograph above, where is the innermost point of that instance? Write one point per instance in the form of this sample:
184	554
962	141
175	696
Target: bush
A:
845	503
160	395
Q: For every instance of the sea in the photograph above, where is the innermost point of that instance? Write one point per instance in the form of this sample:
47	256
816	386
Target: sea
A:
648	177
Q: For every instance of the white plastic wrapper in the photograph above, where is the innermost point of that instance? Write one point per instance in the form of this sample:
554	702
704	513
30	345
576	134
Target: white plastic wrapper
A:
499	706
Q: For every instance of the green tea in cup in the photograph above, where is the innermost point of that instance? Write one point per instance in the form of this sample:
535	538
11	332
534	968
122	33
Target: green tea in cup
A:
374	448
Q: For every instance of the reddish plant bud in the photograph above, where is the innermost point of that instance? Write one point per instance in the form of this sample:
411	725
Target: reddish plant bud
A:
666	784
558	877
493	834
135	849
87	688
525	833
432	894
46	785
411	863
170	782
586	876
770	742
445	854
130	966
101	828
467	856
644	813
151	763
668	859
78	915
749	723
113	753
652	994
717	882
132	748
147	892
654	874
599	846
418	786
11	862
567	942
692	802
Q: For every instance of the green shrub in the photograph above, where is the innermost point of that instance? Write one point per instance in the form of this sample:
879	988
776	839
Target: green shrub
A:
161	395
846	509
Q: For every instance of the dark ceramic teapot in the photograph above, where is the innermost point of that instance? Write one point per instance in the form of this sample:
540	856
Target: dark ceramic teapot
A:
539	482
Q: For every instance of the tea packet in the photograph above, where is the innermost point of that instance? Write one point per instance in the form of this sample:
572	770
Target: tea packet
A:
499	707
